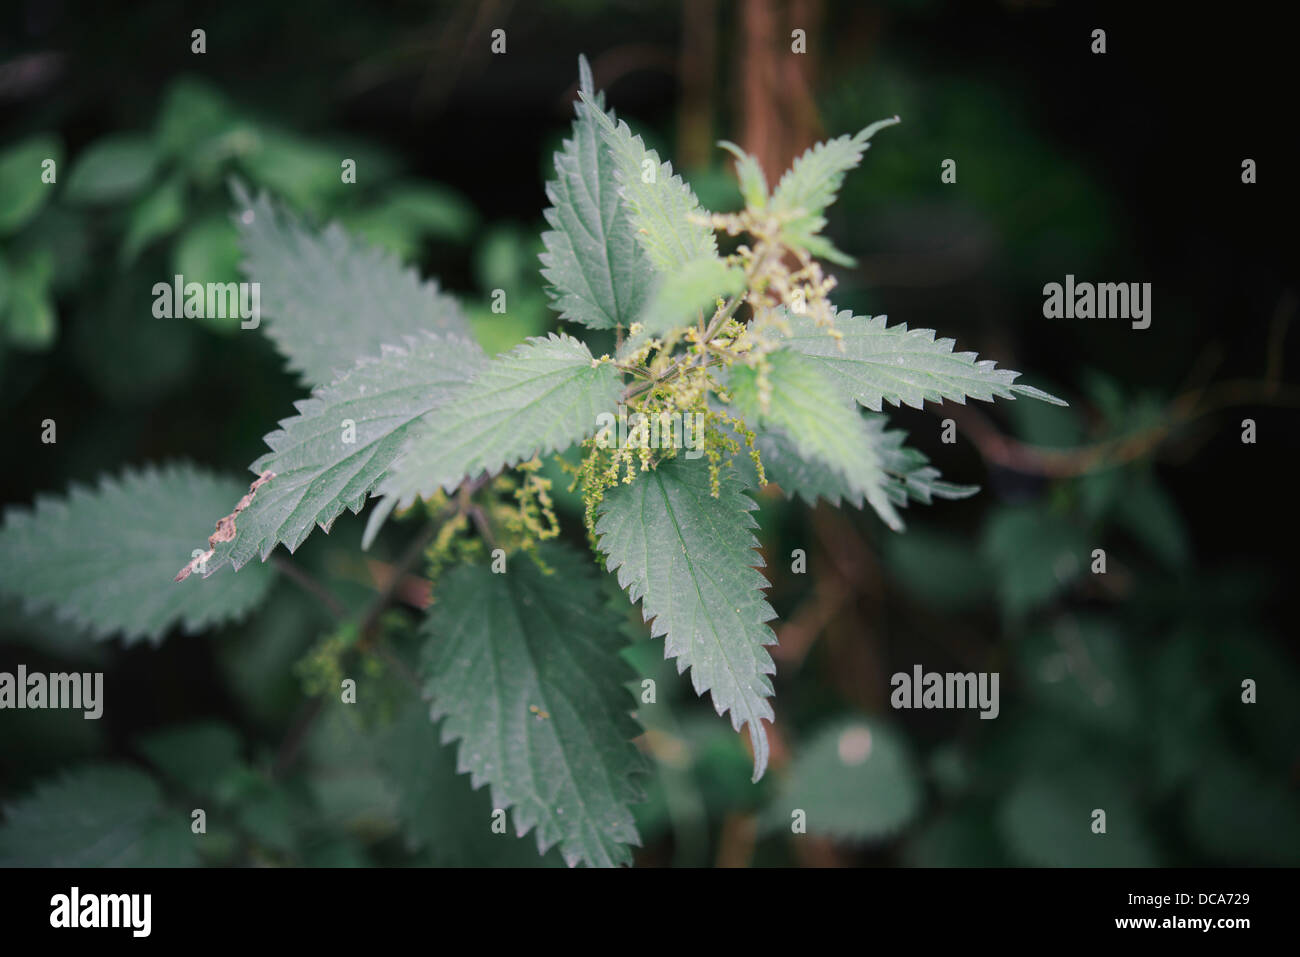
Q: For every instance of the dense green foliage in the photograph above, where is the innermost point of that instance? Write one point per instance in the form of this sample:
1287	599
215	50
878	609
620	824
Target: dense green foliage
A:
499	666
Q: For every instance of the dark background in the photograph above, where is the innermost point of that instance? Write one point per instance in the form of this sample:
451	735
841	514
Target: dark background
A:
1117	167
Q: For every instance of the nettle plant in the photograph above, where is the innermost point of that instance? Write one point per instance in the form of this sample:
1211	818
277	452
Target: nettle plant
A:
727	372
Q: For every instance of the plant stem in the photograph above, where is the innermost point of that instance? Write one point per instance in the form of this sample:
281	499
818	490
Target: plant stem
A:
403	565
293	741
682	363
304	580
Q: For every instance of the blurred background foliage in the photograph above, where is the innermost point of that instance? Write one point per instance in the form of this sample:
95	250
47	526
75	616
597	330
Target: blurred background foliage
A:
1119	691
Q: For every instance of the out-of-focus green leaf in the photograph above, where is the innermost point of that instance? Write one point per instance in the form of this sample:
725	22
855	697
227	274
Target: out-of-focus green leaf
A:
30	322
1238	816
938	569
1149	513
114	335
112	169
1046	819
194	757
208	251
1035	552
22	192
63	233
1082	668
854	780
96	816
963	837
156	215
436	211
194	115
301	172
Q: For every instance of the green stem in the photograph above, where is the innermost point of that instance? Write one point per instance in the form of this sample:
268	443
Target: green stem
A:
684	362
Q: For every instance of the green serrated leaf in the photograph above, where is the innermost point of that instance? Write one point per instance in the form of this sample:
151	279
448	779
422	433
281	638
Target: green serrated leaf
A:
753	184
105	558
660	203
909	476
597	272
810	411
539	398
95	816
440	813
340	445
905	474
854	780
813	181
525	673
681	296
689	559
823	248
327	299
893	364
